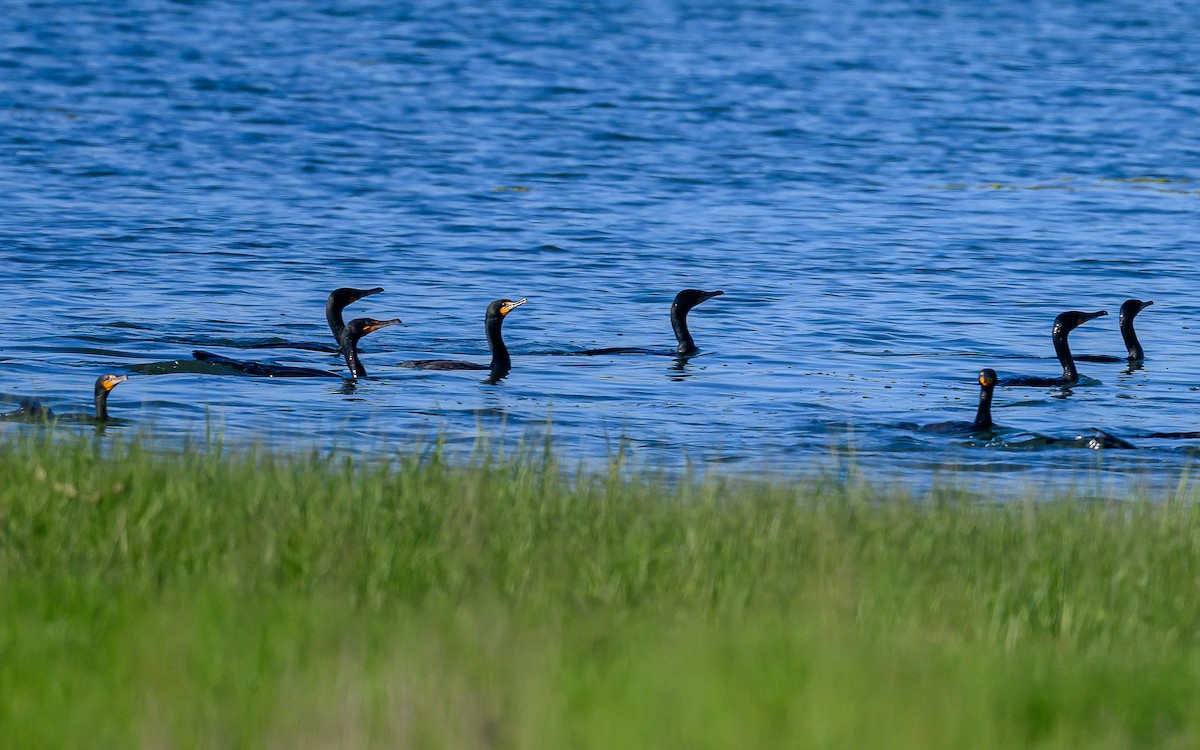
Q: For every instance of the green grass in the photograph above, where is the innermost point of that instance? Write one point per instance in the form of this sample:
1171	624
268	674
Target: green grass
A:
183	598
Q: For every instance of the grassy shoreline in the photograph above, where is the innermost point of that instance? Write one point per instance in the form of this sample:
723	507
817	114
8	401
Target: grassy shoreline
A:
249	598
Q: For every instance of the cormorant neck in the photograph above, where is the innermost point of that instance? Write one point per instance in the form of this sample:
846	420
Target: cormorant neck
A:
333	316
983	416
501	362
1132	344
1063	350
349	347
101	403
687	345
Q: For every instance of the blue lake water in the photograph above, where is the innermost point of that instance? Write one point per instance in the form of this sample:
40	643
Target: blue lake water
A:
891	194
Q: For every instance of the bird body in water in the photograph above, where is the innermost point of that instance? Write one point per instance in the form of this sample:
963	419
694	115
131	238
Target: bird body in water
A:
262	369
983	414
493	321
1063	325
1094	439
35	411
348	341
1129	310
348	336
337	301
1101	440
680	306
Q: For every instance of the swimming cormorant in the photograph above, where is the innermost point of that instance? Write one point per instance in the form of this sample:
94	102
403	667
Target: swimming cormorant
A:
1100	440
1129	310
348	340
680	306
32	410
104	386
1063	325
260	369
501	362
348	337
983	414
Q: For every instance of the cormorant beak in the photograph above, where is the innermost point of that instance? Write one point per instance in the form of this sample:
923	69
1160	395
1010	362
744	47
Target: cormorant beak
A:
111	381
508	307
1092	316
376	325
1147	303
710	295
368	293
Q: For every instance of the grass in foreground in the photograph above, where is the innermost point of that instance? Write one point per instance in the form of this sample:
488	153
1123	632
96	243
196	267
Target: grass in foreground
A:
191	599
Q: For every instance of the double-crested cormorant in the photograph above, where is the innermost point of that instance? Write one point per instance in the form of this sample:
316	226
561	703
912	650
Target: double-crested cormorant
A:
348	336
983	415
104	386
1101	440
1063	325
682	304
1129	310
348	340
260	369
501	363
337	301
32	410
347	346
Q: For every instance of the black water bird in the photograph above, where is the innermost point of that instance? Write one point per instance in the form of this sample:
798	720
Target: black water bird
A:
337	301
261	369
983	414
501	361
104	385
348	337
1095	439
1063	325
1129	310
35	411
1101	440
680	306
348	340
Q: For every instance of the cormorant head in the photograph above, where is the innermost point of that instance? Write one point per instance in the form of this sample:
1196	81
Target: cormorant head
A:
344	296
360	327
689	298
987	377
106	383
1132	307
501	307
1072	319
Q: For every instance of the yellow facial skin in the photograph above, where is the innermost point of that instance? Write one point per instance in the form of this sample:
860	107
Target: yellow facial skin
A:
369	327
508	307
111	381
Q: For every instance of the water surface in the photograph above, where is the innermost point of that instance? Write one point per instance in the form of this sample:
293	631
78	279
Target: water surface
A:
891	194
